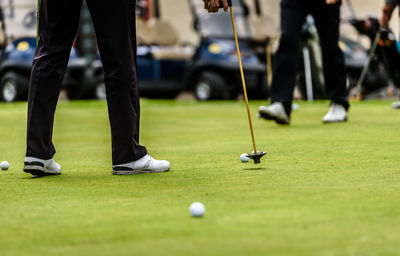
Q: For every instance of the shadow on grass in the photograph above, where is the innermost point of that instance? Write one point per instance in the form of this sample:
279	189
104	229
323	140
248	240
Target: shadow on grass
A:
40	177
100	178
255	169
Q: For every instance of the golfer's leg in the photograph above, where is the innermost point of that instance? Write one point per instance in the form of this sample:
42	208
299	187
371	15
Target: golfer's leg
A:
293	13
57	25
327	18
116	36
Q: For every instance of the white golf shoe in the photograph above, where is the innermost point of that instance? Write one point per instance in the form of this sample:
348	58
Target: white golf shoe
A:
337	113
275	112
146	164
40	167
396	105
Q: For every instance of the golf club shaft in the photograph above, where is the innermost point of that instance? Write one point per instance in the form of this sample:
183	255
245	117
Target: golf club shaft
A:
366	66
243	80
269	63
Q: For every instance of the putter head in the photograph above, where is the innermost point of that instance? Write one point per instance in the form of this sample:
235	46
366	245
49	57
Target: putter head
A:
256	156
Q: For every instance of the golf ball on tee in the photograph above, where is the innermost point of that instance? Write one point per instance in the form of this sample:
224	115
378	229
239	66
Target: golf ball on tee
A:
244	158
4	165
197	209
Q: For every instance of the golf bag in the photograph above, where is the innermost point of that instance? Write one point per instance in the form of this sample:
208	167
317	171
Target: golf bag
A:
385	63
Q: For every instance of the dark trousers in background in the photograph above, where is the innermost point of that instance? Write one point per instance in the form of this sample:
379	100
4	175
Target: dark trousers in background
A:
114	22
327	19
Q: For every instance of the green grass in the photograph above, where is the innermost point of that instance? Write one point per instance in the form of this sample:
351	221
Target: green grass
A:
321	190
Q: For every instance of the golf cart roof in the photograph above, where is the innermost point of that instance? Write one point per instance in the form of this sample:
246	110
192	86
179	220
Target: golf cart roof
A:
218	25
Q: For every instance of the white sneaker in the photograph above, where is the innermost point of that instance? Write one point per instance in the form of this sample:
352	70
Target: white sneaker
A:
337	113
275	112
40	167
146	164
396	105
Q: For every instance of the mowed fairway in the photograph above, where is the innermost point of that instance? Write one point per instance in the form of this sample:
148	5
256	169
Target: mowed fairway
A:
321	190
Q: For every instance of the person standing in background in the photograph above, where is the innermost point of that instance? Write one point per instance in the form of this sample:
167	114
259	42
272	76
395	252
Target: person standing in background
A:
387	10
326	14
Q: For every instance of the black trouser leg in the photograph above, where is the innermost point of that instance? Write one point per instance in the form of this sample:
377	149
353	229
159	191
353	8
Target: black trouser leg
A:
57	25
293	14
116	37
327	20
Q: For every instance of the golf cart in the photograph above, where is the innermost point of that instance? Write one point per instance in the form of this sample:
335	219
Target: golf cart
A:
210	70
215	68
16	61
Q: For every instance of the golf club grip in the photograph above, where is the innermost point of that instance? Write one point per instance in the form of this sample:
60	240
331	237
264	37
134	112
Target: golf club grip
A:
222	6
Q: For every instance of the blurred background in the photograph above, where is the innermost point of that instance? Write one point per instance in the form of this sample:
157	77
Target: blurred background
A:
178	15
20	15
184	52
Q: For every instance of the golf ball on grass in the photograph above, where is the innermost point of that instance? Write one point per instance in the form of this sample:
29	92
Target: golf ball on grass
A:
244	158
4	165
295	107
197	209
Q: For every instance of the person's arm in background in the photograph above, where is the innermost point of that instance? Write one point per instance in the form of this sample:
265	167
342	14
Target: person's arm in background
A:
214	5
387	11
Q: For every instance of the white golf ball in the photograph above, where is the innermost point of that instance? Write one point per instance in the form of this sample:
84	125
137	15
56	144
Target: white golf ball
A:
244	158
197	209
295	107
4	165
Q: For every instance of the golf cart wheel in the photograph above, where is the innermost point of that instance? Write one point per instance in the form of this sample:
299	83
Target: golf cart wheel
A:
211	85
13	87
